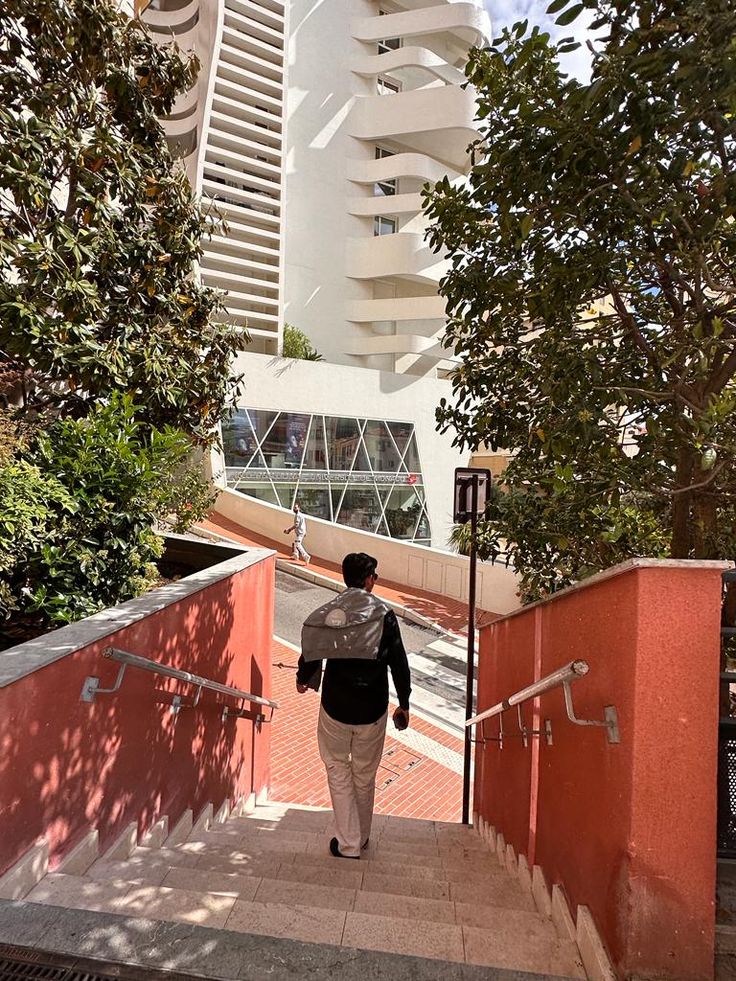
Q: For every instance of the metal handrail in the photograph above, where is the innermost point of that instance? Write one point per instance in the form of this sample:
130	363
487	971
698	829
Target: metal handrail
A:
136	661
91	687
562	677
571	671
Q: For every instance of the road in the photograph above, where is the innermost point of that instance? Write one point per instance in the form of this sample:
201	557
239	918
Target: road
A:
437	662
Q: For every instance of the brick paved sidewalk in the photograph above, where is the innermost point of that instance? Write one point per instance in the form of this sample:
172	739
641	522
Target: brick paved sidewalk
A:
410	782
420	774
447	613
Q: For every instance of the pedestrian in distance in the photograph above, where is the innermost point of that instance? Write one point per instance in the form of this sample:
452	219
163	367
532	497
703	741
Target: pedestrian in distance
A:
300	530
358	637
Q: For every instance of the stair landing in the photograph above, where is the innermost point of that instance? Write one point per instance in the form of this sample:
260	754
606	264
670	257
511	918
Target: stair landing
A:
425	889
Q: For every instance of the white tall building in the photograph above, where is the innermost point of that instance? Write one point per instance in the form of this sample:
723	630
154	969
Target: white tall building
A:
313	127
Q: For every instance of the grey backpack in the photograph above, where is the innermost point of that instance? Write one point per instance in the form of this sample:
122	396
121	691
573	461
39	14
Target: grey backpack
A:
349	626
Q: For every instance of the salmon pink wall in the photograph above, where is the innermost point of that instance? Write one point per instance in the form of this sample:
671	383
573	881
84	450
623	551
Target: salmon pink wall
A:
503	776
67	766
628	829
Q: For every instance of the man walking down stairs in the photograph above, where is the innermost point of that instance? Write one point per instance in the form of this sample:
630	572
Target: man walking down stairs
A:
256	896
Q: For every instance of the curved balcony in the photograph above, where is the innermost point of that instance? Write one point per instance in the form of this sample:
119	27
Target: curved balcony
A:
396	204
435	121
411	56
172	21
185	104
402	255
399	344
416	165
397	309
466	21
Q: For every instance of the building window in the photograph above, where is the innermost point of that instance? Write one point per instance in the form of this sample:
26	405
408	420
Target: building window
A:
391	185
389	44
387	86
384	226
385	188
364	473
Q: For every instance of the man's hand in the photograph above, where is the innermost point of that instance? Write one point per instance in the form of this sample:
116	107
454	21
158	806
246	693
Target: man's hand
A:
401	719
301	688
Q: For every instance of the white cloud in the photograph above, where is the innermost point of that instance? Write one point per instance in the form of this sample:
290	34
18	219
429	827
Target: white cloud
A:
505	13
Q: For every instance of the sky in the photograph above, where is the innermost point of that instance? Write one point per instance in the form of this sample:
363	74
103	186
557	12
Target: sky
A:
504	13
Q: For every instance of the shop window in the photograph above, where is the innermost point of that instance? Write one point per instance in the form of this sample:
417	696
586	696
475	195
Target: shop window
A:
359	472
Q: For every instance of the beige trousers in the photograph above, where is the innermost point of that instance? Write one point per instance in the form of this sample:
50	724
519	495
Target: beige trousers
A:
298	551
351	755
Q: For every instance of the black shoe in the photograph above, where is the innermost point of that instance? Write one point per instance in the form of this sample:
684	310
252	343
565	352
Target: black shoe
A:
335	850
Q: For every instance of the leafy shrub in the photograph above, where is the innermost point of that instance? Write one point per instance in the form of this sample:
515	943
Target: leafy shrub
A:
297	345
78	513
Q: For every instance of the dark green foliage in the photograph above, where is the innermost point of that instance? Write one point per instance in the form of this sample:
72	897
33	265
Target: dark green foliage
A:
79	509
98	229
593	289
112	360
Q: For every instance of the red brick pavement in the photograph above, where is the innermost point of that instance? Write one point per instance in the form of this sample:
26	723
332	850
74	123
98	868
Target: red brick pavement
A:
408	783
425	789
447	613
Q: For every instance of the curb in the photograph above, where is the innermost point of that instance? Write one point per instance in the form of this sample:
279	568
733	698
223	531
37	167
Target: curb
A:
319	579
404	612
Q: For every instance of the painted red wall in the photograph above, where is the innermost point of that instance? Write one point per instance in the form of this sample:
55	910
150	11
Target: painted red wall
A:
628	829
503	775
67	766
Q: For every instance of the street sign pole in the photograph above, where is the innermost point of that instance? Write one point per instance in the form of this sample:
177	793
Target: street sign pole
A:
473	483
470	674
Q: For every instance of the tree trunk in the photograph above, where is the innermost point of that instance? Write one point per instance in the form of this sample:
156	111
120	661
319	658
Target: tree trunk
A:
681	502
705	525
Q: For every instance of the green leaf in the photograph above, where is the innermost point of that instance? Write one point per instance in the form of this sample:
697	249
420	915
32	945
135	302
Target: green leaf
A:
570	15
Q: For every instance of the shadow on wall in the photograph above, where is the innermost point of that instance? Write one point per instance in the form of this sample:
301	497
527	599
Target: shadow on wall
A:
67	766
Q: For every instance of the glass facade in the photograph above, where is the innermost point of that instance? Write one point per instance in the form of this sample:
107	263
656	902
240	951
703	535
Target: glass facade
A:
364	473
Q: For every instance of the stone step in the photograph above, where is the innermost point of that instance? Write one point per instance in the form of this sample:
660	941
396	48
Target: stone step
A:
248	955
493	888
422	888
439	928
329	883
427	840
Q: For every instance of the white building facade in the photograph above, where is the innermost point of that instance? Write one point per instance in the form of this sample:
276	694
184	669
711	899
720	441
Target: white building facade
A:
312	129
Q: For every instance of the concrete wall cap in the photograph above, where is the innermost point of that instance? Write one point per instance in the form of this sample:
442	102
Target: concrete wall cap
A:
23	659
630	565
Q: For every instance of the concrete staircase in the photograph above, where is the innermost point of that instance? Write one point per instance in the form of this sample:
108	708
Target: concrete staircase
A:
428	890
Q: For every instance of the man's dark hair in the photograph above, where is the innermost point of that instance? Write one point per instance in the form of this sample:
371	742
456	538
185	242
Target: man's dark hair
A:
356	567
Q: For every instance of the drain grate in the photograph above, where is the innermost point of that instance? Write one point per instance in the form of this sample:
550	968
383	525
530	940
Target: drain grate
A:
24	964
14	970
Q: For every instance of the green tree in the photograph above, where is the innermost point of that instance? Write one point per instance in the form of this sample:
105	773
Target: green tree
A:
592	288
79	507
297	345
99	232
113	365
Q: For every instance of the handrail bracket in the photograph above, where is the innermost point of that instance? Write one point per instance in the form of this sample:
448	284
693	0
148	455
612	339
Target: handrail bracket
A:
91	686
525	733
609	721
244	713
489	739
